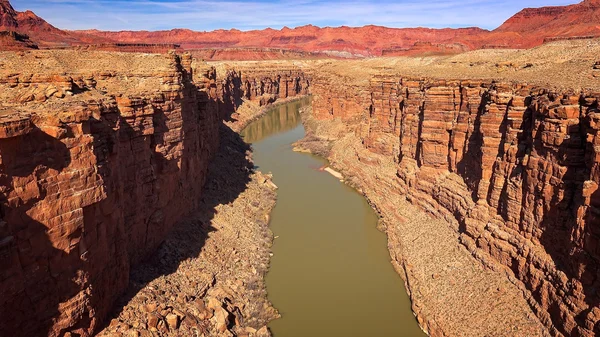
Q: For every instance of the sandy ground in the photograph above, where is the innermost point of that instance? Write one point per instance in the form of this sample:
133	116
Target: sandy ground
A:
561	65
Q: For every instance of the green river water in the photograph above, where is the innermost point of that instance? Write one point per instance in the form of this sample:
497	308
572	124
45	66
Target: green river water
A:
330	275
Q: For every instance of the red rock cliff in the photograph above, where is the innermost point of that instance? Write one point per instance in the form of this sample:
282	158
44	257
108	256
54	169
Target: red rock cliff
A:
91	186
528	28
262	84
513	167
96	167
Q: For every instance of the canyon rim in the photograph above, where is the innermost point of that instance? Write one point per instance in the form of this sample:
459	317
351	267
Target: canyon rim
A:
130	204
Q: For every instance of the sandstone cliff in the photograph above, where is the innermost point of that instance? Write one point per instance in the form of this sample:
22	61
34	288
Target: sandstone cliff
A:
92	182
511	166
100	156
555	22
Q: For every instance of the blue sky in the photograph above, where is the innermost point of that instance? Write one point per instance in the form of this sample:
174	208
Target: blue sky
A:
258	14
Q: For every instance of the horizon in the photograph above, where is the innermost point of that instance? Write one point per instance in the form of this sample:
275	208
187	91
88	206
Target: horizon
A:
199	15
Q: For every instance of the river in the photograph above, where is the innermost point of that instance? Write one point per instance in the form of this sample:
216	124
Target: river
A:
331	274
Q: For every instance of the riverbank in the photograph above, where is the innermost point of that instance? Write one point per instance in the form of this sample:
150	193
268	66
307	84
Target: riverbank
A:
207	278
452	293
251	111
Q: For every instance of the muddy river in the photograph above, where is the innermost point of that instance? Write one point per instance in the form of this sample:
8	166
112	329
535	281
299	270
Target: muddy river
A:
331	274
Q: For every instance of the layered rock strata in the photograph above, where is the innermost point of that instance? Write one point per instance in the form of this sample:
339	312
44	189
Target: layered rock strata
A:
96	167
511	167
258	83
207	278
91	184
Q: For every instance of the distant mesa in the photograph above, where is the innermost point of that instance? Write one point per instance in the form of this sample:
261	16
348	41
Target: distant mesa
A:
528	28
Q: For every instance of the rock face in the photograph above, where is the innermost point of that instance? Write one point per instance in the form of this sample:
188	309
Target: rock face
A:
90	187
11	40
513	167
8	15
555	22
41	32
98	161
260	84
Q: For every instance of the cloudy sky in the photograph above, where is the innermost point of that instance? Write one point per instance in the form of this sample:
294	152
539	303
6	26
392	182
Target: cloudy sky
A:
257	14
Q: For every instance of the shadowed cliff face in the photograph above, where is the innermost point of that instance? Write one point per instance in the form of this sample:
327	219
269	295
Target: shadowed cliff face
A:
97	168
87	206
29	260
513	168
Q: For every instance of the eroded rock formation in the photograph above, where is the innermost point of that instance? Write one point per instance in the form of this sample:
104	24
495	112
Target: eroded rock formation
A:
96	167
263	84
41	32
512	166
91	185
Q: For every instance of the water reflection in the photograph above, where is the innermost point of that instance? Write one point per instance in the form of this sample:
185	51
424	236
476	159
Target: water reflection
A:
278	119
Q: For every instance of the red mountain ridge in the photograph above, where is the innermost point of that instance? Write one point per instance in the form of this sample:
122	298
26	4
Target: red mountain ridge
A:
528	28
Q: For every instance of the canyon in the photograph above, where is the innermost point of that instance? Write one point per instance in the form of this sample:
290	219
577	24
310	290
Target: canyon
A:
130	205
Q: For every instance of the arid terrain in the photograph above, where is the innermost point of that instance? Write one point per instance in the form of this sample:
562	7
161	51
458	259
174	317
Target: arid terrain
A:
529	28
129	204
102	155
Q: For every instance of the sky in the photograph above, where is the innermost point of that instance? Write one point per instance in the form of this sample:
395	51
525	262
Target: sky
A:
208	15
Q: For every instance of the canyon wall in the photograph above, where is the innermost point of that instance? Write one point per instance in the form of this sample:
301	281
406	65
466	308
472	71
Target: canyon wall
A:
263	84
514	168
90	187
96	167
